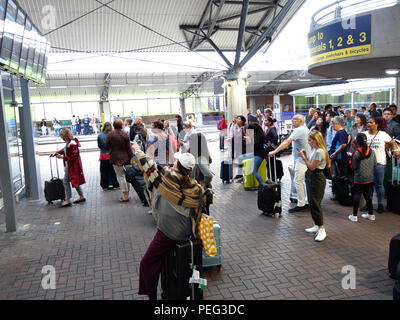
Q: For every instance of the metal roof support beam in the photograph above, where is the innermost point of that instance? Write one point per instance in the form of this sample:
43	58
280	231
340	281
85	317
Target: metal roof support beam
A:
267	33
241	31
214	19
239	2
202	22
261	24
218	50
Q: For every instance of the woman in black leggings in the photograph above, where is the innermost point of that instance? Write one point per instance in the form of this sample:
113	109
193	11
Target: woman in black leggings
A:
363	163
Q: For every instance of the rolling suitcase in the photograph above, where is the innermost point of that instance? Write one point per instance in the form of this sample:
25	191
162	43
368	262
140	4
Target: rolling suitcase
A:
396	288
226	173
177	270
393	191
54	188
269	196
217	260
342	188
293	191
276	170
394	256
249	181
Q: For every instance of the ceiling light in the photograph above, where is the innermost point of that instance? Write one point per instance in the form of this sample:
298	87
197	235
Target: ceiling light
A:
266	81
284	80
119	85
145	84
392	71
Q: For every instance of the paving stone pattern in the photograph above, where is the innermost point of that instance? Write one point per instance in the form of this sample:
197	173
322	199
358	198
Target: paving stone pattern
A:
96	247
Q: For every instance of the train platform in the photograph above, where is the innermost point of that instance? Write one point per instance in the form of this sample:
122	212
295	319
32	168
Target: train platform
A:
96	247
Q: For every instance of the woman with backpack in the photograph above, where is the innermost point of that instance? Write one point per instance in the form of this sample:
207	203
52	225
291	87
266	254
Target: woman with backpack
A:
363	163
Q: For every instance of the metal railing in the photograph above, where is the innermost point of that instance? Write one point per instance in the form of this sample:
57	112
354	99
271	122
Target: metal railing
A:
341	9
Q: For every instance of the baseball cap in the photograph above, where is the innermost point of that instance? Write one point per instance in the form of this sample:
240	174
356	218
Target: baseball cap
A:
187	160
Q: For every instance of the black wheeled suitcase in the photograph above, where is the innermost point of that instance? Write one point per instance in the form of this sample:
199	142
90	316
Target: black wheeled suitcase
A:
396	288
394	256
393	192
342	188
269	195
54	188
177	270
226	174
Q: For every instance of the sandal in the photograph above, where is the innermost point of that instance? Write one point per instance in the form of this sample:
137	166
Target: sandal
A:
66	205
123	200
80	200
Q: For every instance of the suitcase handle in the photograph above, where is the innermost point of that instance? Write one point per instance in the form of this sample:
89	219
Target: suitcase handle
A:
270	170
51	169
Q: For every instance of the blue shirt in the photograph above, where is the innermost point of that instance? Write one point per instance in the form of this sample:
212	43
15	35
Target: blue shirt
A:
341	137
300	141
329	136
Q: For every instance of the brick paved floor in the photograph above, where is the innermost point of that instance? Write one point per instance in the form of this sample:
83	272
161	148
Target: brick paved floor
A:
96	247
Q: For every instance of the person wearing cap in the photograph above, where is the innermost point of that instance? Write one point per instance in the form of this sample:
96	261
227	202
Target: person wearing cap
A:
177	202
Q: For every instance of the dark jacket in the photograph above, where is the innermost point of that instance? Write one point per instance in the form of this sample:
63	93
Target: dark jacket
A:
132	131
120	148
272	136
259	149
393	129
363	164
101	142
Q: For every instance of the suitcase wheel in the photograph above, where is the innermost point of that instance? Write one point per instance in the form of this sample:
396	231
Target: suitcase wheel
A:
219	267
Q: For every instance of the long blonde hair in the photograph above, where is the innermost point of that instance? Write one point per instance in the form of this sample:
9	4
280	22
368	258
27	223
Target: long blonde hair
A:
319	139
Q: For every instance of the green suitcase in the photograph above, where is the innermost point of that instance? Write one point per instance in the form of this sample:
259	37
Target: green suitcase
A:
249	181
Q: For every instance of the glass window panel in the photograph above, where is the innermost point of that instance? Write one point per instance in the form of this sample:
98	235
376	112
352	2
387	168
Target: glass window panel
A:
39	111
82	108
175	106
60	111
21	18
2	9
139	107
189	105
16	52
159	106
11	10
117	108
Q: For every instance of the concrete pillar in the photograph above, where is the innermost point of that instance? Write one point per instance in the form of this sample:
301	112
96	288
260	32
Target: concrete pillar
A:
29	150
183	107
236	99
397	92
277	107
6	182
197	110
252	106
105	111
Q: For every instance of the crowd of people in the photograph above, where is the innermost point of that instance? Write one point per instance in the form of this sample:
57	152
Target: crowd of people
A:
169	166
328	143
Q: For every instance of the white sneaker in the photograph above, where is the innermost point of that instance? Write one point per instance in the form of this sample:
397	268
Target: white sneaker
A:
321	235
353	218
368	216
313	229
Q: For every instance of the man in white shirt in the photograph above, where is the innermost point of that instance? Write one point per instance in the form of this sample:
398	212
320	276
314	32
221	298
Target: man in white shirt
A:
299	138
